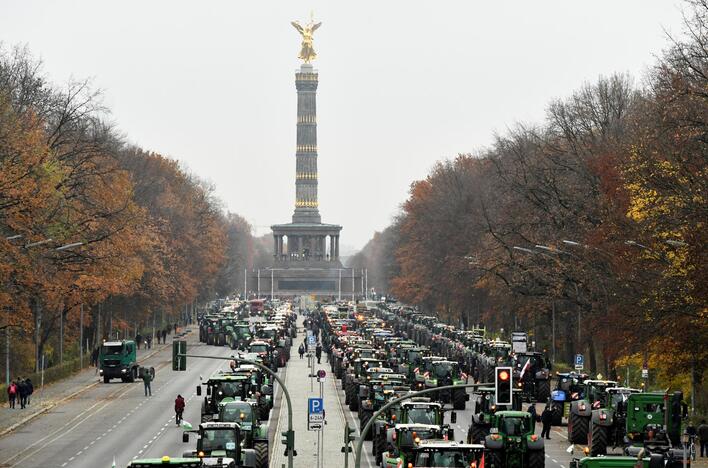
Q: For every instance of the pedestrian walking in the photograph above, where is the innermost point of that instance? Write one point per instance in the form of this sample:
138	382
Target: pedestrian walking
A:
30	390
703	437
138	339
149	341
147	378
12	394
22	391
94	357
301	350
175	327
179	409
164	336
318	352
546	420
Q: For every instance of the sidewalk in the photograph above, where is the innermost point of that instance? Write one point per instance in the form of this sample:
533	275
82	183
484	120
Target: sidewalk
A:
45	399
298	383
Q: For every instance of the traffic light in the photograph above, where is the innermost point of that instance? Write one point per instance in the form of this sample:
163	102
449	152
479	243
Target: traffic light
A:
288	439
179	363
503	385
349	436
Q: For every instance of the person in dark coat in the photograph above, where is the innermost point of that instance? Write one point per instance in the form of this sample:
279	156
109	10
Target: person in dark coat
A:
138	339
147	378
703	437
94	357
318	352
22	392
149	341
301	350
175	327
30	390
546	421
179	408
164	336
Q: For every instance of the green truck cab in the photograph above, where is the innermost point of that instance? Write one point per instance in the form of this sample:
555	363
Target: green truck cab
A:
219	444
512	443
437	453
118	360
254	433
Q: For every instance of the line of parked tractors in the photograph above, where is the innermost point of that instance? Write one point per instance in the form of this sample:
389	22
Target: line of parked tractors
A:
383	351
236	404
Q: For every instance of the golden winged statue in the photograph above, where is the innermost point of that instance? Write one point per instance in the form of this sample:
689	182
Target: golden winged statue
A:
307	52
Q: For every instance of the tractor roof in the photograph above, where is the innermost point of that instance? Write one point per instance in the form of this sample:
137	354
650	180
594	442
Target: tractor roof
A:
418	427
514	414
441	444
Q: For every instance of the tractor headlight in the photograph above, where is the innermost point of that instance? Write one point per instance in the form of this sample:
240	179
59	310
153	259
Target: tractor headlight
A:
124	370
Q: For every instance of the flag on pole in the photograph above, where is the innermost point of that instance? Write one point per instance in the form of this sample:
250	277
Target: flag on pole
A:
523	370
481	464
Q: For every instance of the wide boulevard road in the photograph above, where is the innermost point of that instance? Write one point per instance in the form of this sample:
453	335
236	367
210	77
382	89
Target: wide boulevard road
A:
115	419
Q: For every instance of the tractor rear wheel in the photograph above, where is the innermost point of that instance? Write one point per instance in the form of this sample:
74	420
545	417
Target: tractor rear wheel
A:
537	459
475	434
459	399
106	379
543	390
598	440
557	414
379	445
354	401
261	449
496	459
577	429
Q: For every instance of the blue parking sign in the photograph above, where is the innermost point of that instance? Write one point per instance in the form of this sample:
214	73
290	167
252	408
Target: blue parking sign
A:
315	406
579	362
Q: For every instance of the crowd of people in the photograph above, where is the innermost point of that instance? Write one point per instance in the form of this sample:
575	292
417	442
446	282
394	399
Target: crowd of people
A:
20	391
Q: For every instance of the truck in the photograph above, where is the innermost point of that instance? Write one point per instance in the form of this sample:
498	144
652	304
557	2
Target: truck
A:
519	342
118	360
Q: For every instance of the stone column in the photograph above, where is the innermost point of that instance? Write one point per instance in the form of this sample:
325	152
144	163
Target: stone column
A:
331	248
275	247
336	246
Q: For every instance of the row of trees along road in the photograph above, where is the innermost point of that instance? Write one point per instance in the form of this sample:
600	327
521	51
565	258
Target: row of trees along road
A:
145	239
596	217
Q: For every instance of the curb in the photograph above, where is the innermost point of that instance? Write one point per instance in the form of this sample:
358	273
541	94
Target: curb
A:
51	405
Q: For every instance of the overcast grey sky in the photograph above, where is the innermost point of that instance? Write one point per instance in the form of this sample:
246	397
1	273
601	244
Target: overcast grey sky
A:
402	83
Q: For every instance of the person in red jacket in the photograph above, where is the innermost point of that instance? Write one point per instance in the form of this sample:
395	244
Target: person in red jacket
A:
179	409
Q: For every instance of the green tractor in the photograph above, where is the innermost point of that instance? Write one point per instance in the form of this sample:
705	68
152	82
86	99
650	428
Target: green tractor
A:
355	376
375	392
417	410
532	375
444	373
608	423
592	396
485	406
436	453
402	441
654	426
118	359
219	444
238	336
254	433
512	443
221	386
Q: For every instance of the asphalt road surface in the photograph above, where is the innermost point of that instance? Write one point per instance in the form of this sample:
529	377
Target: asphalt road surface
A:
115	419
